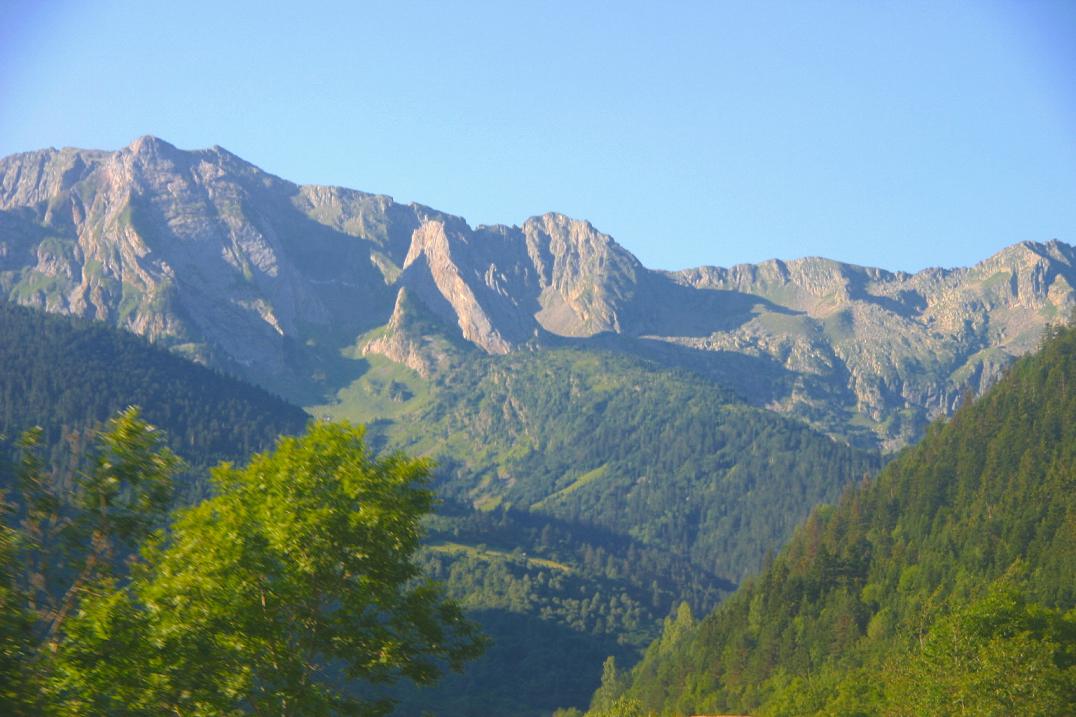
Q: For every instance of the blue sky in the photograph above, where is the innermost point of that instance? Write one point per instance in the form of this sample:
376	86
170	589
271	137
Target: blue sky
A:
900	135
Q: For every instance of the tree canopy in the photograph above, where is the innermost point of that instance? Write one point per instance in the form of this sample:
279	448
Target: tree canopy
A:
289	592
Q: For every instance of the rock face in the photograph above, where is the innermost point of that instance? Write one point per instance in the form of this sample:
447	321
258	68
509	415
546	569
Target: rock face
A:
198	250
895	349
504	285
415	338
207	254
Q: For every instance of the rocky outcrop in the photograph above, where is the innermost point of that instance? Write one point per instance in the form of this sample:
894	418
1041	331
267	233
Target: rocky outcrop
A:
435	270
415	338
504	286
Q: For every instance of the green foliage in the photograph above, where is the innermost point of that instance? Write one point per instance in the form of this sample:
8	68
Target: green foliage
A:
883	603
16	630
275	596
292	591
69	545
623	706
610	700
1001	655
611	690
74	540
129	489
555	598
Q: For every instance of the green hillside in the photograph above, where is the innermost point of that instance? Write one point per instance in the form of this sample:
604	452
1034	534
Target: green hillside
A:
602	439
588	493
555	599
69	376
945	586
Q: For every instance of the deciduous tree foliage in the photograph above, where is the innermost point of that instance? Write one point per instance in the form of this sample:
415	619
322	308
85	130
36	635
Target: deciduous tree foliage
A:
16	639
72	542
1001	655
287	593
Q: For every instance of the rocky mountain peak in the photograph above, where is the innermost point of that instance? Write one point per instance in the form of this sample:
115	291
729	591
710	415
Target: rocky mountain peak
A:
148	145
575	245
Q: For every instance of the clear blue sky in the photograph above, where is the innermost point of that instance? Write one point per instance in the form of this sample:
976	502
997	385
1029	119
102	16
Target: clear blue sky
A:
896	134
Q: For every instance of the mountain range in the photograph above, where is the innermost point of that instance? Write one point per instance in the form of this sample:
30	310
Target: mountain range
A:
291	285
611	440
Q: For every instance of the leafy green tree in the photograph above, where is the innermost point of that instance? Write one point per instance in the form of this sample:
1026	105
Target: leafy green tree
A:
623	706
287	593
612	685
999	656
72	541
16	622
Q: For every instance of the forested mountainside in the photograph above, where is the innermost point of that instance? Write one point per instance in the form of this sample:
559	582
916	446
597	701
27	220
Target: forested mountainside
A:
572	556
944	586
70	375
600	439
590	492
555	598
216	259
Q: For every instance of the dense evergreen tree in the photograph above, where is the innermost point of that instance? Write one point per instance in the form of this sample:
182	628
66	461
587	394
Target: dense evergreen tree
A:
69	376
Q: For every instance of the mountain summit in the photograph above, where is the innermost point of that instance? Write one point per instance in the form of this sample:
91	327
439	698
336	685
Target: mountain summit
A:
209	255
